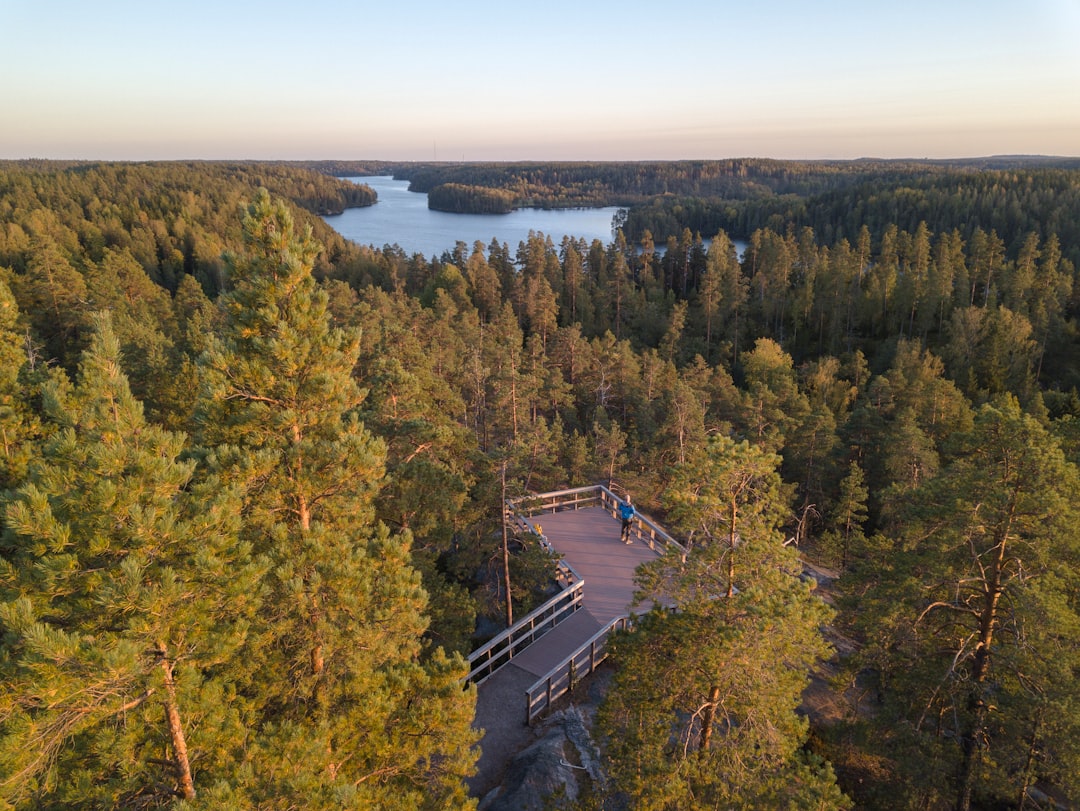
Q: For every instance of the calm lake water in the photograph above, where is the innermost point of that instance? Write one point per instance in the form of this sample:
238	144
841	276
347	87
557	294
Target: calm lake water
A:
402	217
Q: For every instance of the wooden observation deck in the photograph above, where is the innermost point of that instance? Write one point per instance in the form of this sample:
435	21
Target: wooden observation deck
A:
544	654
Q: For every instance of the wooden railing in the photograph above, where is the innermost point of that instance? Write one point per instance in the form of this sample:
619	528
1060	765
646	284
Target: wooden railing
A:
499	651
557	501
564	677
643	528
484	661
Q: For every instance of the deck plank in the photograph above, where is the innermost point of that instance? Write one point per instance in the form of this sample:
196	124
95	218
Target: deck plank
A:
589	541
558	643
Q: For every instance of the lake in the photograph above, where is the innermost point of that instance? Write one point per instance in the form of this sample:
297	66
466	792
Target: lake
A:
403	218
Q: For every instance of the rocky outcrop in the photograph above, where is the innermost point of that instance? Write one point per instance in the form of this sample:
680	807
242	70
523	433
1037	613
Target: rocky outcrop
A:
555	771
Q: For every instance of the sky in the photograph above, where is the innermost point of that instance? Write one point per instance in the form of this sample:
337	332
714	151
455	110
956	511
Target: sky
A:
556	80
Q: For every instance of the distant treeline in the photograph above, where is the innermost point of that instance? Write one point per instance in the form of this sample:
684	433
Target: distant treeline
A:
554	184
317	192
1012	202
562	184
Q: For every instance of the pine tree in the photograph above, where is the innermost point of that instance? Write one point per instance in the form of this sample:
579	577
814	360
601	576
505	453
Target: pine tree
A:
969	613
52	294
123	593
344	712
843	537
701	713
431	458
17	422
773	405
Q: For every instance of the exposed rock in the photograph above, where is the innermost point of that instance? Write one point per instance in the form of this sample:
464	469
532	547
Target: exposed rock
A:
1050	798
577	726
554	771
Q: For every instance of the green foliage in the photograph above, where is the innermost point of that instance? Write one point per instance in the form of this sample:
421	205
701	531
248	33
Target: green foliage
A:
123	591
686	186
462	199
850	338
844	538
18	425
53	293
773	405
173	218
701	712
966	614
836	200
333	673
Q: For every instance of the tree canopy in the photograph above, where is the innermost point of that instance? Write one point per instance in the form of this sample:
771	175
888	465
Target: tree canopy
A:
251	479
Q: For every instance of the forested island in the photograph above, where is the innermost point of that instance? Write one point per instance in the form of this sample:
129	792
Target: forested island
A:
250	494
460	199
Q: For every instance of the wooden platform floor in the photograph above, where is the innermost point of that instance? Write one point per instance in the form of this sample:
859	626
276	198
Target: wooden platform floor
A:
588	539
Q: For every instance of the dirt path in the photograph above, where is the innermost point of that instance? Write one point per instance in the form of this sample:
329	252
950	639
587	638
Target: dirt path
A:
500	712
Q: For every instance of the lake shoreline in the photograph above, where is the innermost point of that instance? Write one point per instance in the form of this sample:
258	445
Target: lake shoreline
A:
401	217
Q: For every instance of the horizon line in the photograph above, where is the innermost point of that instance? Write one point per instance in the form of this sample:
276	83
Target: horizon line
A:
863	158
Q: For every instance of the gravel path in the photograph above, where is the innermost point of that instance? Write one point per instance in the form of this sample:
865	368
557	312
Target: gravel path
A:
500	712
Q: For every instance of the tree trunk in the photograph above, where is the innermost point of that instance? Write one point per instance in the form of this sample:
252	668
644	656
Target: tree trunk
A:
506	554
176	731
303	512
970	746
733	539
1029	763
981	667
513	393
708	717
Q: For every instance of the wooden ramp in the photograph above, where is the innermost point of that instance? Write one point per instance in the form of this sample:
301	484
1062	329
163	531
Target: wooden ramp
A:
588	539
554	646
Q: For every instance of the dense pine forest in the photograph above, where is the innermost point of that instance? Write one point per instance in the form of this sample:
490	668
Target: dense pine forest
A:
250	518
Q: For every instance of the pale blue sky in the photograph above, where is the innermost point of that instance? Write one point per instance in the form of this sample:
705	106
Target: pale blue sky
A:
590	80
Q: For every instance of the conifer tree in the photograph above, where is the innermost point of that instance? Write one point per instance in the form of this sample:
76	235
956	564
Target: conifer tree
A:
968	617
123	593
52	294
17	423
773	405
701	713
843	537
344	713
431	458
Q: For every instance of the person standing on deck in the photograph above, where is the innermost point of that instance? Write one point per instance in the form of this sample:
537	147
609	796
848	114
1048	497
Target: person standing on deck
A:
626	513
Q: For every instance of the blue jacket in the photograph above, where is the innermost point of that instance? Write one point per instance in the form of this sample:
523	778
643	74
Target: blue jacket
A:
626	511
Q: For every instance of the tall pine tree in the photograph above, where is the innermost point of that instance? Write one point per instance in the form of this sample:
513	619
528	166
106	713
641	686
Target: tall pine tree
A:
702	712
345	710
123	594
971	616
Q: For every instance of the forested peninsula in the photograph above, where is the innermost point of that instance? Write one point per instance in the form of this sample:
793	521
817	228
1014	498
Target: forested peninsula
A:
252	479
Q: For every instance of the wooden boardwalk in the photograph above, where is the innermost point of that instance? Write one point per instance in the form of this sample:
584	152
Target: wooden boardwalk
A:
589	541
